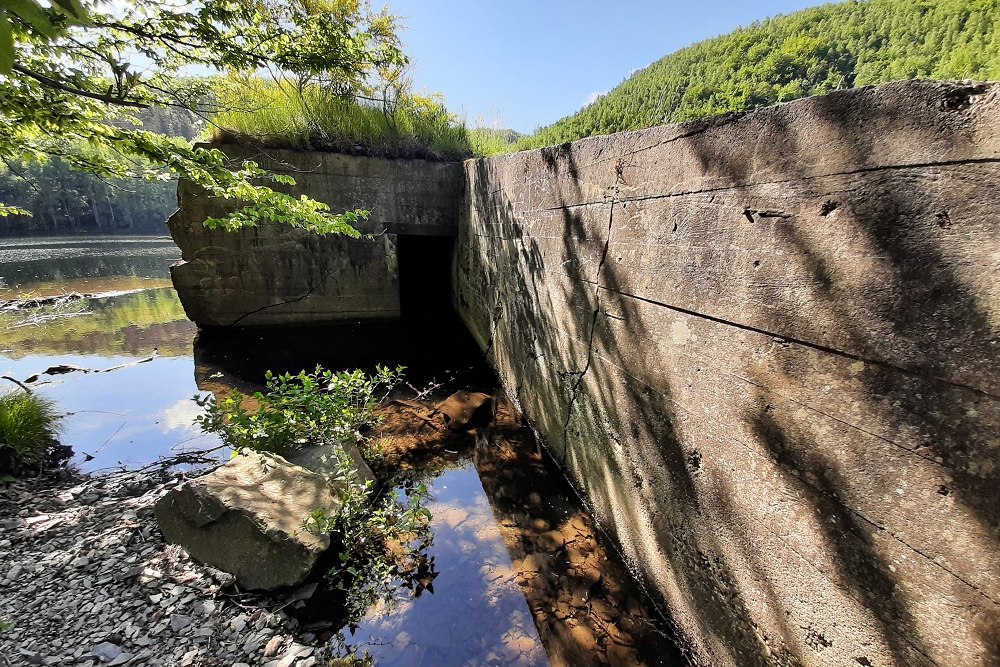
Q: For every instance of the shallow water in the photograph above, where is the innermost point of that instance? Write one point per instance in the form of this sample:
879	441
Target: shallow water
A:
524	578
55	265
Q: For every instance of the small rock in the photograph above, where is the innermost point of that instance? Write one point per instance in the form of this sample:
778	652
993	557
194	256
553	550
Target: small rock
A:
179	621
106	651
465	410
273	646
32	658
206	608
552	539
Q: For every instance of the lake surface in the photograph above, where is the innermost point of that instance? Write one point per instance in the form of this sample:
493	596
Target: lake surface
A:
524	577
127	417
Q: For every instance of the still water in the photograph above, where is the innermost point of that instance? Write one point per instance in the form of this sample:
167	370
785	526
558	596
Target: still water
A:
524	578
127	417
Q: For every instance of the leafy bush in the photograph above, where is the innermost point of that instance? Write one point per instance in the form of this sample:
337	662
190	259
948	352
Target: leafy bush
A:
381	539
487	141
29	426
296	410
381	544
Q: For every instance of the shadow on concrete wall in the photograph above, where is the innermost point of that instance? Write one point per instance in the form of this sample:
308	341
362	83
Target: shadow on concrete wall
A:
712	465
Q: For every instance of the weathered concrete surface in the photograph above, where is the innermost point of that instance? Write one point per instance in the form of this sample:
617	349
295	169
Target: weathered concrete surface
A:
273	275
766	347
246	518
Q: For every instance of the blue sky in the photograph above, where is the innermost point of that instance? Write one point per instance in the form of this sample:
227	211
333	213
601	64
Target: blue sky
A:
527	63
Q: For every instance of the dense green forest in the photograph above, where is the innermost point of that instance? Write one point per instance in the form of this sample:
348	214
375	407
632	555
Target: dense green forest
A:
811	52
64	201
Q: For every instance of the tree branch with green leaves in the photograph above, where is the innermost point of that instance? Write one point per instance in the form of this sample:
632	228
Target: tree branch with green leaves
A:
76	74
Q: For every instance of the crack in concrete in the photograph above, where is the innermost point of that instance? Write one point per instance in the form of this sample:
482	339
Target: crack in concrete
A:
739	186
798	341
575	389
275	305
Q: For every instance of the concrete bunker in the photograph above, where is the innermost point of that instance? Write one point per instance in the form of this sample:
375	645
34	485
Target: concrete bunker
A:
764	346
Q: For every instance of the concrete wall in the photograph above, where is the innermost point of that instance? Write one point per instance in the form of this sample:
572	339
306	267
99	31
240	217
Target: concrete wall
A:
276	275
766	347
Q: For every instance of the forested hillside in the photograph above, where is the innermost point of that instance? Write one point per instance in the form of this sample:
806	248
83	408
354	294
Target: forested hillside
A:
64	201
811	52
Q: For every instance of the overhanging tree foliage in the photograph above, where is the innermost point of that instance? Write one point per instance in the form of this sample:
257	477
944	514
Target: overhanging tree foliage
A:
73	75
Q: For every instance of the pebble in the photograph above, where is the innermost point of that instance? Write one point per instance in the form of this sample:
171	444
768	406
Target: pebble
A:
178	622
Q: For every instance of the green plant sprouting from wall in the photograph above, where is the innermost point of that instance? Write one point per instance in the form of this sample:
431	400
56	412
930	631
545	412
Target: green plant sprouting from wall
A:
287	114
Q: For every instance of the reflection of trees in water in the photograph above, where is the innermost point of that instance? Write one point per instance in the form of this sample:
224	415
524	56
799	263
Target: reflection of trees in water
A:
49	263
128	324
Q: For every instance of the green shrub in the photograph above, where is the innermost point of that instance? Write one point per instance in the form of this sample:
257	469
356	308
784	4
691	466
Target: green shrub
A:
29	429
381	544
297	410
381	539
488	141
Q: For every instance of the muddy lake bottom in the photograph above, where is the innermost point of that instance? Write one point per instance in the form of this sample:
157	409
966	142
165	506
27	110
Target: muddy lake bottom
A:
523	576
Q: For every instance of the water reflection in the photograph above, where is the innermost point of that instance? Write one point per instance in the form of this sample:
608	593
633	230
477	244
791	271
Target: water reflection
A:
130	324
128	417
44	266
476	613
524	577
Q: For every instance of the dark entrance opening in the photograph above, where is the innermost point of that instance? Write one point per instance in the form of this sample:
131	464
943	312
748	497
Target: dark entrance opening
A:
425	277
430	339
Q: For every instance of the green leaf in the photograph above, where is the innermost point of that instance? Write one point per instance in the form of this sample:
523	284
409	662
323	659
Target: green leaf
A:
33	14
6	44
73	9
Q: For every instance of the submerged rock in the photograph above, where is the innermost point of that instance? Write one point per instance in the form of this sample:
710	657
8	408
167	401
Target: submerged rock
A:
465	410
246	518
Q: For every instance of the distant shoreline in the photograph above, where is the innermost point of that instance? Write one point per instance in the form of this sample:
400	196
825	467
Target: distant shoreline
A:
82	235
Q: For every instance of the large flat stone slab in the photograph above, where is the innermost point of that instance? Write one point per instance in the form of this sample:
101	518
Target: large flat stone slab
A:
324	460
246	518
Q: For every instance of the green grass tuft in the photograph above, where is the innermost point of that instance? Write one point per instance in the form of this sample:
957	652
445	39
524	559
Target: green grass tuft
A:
283	115
29	427
488	141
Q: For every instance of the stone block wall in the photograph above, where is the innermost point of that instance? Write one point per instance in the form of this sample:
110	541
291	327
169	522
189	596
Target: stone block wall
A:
275	275
766	348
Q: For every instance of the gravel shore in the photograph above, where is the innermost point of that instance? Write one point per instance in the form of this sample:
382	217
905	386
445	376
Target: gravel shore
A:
86	579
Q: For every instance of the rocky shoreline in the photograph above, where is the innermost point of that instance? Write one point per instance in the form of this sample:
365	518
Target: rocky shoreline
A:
87	579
